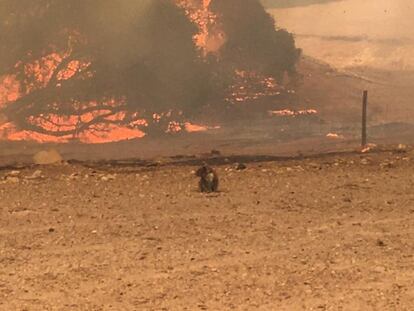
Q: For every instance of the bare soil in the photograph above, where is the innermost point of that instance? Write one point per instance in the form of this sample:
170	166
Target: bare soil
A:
330	232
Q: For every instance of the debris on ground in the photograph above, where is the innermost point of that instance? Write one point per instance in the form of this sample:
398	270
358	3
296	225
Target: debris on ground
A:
387	164
334	136
368	148
380	243
12	179
36	175
240	166
46	157
73	176
365	161
401	148
108	177
13	174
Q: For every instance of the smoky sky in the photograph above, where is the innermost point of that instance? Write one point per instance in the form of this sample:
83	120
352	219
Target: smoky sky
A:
376	33
292	3
371	18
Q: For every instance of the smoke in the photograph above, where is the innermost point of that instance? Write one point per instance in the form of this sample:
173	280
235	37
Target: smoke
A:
377	33
90	65
253	41
292	3
135	56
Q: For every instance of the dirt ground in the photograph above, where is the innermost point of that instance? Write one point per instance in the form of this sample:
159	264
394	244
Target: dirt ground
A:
325	233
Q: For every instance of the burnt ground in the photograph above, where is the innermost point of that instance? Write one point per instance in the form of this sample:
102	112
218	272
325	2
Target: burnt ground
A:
331	232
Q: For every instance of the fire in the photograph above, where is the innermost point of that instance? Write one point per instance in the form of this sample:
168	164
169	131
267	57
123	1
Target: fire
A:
98	133
334	136
252	86
210	37
193	128
9	90
175	127
292	113
42	72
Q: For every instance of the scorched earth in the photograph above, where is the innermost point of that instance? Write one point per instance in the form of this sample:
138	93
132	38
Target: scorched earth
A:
325	233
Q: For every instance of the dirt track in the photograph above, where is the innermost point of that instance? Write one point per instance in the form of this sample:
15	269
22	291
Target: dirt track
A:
329	233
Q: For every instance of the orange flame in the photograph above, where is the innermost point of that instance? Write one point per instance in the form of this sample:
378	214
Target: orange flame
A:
210	39
292	113
42	71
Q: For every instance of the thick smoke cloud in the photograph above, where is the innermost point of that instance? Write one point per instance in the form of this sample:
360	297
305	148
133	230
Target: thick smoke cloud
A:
138	58
140	54
253	43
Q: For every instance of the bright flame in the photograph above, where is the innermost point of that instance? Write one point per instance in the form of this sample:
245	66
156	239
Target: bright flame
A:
292	113
45	70
210	38
252	86
334	136
192	128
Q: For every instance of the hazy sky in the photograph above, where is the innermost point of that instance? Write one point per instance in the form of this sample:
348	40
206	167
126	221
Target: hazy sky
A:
291	3
387	26
379	18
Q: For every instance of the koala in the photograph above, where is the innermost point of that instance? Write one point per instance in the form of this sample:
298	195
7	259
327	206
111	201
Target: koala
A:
209	180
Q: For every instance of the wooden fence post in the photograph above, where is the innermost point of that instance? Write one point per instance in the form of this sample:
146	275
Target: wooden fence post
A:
364	119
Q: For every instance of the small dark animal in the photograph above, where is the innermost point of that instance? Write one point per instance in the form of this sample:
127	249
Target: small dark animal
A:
208	179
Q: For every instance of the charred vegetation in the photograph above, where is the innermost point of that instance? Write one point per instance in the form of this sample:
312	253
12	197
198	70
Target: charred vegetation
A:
69	72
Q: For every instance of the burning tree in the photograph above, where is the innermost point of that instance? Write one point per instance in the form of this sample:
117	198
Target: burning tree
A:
75	67
83	65
253	43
